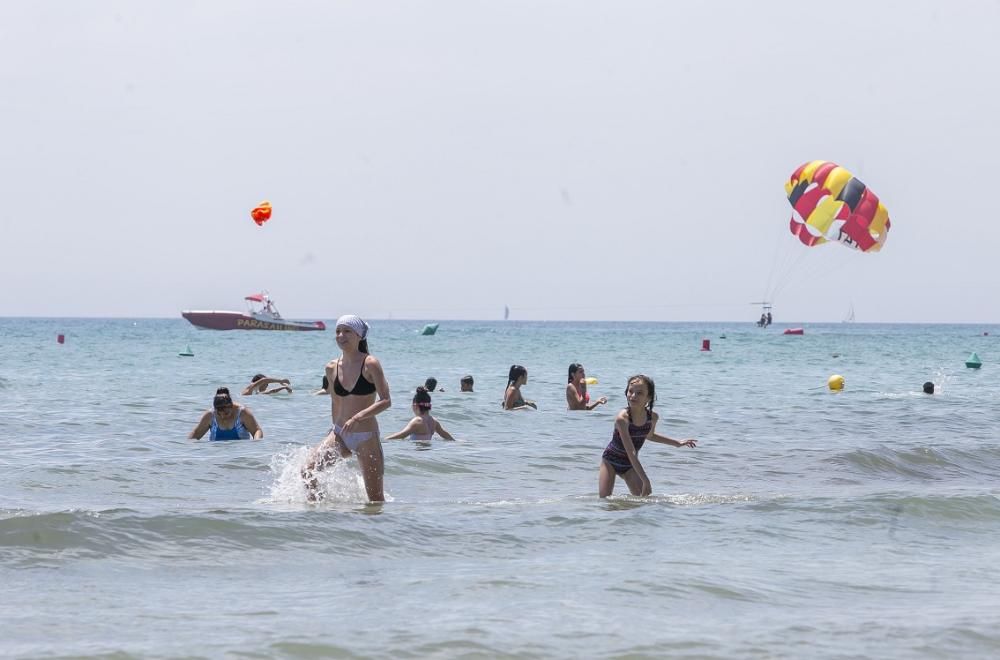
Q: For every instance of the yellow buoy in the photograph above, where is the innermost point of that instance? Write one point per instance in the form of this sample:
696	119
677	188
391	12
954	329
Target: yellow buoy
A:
835	382
590	380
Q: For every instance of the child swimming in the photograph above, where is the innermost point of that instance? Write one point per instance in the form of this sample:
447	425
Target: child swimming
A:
423	426
633	426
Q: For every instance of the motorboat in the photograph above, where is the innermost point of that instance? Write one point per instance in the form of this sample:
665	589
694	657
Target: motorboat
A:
261	314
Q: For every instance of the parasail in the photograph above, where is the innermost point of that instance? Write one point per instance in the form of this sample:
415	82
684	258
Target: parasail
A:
831	204
261	213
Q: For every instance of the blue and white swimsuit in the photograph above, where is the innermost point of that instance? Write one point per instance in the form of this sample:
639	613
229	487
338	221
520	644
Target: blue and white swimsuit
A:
238	432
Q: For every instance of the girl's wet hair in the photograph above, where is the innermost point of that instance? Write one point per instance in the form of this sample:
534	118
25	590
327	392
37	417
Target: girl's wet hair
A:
516	371
326	383
422	399
650	386
256	377
573	368
222	398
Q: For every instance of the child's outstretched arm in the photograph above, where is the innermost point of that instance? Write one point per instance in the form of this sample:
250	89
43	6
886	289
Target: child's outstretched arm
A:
407	431
656	437
441	432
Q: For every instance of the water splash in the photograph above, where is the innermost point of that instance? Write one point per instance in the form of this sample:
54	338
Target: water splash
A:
340	482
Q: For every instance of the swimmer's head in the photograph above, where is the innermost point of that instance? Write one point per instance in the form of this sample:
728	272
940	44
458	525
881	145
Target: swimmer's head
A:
430	384
222	401
467	383
256	377
928	387
356	326
422	400
515	373
573	368
636	384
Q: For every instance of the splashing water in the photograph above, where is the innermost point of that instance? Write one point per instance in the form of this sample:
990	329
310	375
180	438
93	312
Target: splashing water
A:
340	482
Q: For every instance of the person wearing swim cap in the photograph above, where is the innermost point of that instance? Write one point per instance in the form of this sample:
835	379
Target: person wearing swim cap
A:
353	409
928	387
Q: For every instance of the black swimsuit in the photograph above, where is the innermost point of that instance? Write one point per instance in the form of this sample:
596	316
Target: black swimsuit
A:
361	388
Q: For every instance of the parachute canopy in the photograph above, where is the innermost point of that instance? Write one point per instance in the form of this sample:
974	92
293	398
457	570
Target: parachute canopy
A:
261	213
830	204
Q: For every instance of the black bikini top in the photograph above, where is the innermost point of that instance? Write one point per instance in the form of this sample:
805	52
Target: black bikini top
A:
362	387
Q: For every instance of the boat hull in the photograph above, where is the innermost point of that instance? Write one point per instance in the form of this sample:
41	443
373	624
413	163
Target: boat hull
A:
214	320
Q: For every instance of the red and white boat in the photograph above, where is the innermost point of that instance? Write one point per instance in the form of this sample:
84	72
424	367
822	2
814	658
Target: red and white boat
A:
261	314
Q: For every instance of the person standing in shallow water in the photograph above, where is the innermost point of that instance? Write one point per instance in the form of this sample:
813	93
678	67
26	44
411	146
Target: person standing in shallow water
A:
358	393
577	397
633	426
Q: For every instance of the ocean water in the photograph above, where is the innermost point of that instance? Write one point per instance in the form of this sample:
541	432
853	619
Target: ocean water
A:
807	523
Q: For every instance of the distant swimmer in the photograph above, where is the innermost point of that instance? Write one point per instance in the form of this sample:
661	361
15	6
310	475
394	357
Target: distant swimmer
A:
422	426
259	383
512	398
928	387
633	426
467	383
577	397
431	385
355	428
227	420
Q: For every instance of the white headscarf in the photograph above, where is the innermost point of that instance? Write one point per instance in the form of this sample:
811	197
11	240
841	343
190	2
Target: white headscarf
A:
354	323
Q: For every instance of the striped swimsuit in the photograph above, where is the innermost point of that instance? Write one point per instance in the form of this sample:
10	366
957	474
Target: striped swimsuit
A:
614	453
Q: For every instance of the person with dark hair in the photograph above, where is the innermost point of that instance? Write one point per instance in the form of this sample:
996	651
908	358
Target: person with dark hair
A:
431	385
928	387
258	385
635	424
227	420
577	397
422	426
467	384
512	398
355	430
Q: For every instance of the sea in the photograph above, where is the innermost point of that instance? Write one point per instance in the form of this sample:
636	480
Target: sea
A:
807	523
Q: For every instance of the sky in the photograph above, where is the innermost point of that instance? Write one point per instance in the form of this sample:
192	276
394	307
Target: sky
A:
572	160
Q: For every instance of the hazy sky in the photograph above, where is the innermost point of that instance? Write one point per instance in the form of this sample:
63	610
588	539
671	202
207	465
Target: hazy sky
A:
573	160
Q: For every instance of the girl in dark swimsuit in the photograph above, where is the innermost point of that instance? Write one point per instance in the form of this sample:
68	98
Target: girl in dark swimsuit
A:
512	398
633	426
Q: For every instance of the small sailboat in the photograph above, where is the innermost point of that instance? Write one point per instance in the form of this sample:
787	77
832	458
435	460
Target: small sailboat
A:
849	318
506	312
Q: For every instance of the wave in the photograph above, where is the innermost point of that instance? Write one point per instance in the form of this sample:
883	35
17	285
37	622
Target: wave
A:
921	463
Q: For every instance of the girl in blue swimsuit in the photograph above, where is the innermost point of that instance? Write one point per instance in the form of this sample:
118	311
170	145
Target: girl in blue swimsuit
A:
633	426
227	420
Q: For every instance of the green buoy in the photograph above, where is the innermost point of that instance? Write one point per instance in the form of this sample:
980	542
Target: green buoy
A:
973	362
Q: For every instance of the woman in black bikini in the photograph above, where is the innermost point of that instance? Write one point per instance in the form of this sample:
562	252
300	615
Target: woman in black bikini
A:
355	429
